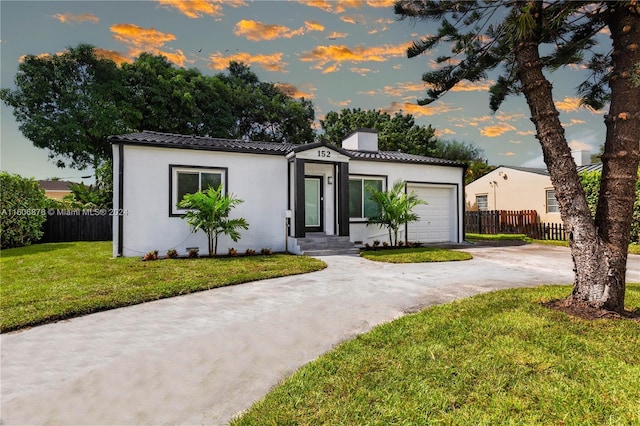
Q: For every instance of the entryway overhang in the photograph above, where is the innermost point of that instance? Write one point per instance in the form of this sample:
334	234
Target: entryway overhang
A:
304	161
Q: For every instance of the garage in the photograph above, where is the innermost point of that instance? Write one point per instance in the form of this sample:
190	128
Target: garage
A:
438	221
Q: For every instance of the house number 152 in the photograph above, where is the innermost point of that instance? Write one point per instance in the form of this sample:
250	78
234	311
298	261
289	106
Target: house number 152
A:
324	154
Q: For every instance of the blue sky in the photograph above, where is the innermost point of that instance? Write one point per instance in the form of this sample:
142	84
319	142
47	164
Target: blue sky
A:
338	54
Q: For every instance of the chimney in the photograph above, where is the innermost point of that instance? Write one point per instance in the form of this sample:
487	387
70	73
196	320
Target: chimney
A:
362	140
582	158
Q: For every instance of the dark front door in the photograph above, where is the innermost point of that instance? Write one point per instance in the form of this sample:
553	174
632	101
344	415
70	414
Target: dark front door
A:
313	204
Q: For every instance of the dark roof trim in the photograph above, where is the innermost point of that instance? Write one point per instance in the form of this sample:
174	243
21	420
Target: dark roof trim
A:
176	141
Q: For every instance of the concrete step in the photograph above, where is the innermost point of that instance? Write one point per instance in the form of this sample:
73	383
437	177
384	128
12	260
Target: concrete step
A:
331	252
321	244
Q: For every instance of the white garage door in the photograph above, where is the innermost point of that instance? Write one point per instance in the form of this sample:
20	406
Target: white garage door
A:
437	218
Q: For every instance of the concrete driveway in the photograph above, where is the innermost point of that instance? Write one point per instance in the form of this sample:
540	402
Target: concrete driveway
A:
203	358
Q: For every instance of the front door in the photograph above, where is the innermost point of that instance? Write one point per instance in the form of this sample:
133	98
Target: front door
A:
313	204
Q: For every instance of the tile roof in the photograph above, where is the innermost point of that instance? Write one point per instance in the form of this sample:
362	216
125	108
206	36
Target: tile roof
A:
275	148
597	167
545	172
400	157
201	142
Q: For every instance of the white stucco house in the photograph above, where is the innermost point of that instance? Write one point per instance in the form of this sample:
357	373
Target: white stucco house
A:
293	194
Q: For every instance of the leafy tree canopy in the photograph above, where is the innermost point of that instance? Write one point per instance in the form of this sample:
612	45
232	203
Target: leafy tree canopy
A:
70	103
394	133
263	112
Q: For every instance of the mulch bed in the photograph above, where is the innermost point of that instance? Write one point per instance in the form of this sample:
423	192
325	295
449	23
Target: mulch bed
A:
584	311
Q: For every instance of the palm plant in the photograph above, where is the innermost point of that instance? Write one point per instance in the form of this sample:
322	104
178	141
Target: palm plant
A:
395	208
209	211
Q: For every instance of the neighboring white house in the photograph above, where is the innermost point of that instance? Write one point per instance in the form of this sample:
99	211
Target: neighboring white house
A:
521	188
290	191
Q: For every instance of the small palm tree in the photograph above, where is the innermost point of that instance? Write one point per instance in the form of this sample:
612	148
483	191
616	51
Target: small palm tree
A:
210	212
395	207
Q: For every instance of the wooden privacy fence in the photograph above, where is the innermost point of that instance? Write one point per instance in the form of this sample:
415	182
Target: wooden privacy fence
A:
500	221
547	231
513	222
77	225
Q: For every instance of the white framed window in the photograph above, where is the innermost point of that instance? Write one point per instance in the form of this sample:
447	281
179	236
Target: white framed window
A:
482	202
190	179
361	205
552	201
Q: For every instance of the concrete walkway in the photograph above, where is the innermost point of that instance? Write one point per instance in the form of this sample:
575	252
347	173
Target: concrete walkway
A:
203	358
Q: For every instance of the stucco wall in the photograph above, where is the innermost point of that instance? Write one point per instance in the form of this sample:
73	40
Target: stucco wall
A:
511	189
416	173
260	180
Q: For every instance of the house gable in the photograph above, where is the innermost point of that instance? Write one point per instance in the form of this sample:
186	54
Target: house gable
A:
319	152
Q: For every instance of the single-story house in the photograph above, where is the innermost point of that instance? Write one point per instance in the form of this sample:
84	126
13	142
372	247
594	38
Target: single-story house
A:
56	189
291	193
521	188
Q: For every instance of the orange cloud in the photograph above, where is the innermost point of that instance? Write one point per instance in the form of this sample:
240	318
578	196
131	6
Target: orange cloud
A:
508	154
568	104
113	55
442	132
150	40
257	31
362	71
418	110
198	8
467	86
271	62
349	19
138	36
313	26
340	103
295	92
497	130
68	18
194	8
337	54
334	35
339	6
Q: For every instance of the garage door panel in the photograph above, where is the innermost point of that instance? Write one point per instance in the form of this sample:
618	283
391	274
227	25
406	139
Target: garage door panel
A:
436	218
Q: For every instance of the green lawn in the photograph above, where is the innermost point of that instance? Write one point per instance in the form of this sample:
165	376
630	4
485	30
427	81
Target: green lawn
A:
634	248
48	282
498	358
414	255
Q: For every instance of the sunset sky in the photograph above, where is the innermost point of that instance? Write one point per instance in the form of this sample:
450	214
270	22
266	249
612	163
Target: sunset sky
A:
338	54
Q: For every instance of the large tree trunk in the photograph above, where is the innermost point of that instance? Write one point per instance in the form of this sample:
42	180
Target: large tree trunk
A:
599	252
621	153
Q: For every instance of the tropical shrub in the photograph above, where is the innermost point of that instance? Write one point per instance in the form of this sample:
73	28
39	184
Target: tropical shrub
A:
209	212
22	210
396	209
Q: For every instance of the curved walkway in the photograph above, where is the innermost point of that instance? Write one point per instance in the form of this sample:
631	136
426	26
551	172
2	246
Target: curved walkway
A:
203	358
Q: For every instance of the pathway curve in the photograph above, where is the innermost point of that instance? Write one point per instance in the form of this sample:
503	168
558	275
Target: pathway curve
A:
203	358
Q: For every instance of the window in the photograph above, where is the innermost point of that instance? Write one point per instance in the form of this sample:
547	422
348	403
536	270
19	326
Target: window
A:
482	203
188	180
360	203
552	202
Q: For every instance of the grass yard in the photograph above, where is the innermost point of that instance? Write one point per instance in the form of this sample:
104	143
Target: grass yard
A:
496	358
48	282
634	248
415	255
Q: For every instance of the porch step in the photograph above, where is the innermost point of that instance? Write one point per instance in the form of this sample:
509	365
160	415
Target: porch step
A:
331	252
321	244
